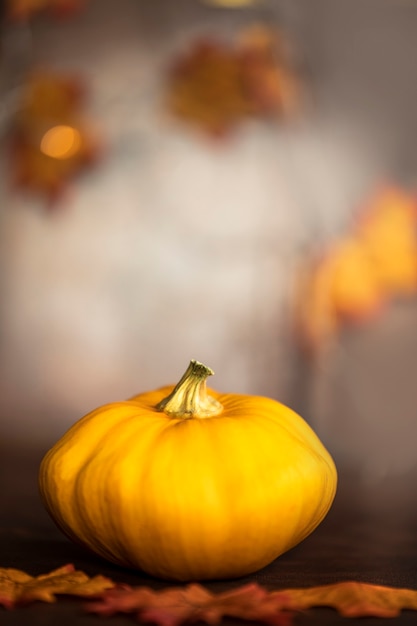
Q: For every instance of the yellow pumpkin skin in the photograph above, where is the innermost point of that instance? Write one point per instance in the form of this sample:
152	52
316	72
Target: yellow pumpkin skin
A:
189	498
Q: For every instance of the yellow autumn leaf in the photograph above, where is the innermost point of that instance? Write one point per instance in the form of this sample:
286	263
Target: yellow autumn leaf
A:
17	587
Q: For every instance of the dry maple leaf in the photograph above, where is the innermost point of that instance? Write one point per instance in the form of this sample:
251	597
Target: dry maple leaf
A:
215	85
361	272
17	587
353	599
205	88
50	141
194	603
267	77
355	291
388	232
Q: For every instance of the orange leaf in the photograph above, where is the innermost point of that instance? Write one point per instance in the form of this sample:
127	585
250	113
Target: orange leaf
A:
17	587
361	272
215	86
205	88
268	80
194	603
175	606
354	599
50	141
388	231
356	291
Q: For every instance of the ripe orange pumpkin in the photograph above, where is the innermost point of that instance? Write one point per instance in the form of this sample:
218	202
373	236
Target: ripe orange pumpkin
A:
189	484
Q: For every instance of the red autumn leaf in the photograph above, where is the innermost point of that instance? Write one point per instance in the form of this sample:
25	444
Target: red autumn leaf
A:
353	599
17	587
194	603
175	606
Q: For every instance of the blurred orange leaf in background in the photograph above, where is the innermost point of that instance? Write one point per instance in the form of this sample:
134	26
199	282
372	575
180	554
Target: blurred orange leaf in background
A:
359	274
50	141
216	85
388	233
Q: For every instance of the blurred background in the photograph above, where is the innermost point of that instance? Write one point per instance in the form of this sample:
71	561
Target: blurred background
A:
232	182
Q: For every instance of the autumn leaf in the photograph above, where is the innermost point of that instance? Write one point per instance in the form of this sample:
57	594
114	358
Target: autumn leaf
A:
388	232
17	587
215	85
269	82
360	273
205	88
174	606
353	599
50	141
178	605
194	603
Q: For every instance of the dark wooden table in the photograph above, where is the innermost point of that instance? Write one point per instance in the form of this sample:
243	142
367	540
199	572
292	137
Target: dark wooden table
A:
370	535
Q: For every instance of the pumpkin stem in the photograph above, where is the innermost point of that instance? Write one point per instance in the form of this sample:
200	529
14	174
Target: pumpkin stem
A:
189	398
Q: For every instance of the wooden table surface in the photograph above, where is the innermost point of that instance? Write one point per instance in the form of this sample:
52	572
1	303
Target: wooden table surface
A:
370	535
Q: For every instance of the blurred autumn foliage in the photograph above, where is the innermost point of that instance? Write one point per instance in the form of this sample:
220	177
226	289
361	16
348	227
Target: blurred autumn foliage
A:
215	85
174	606
50	141
360	273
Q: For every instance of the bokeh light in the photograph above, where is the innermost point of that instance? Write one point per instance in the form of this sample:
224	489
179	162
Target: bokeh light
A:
61	142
